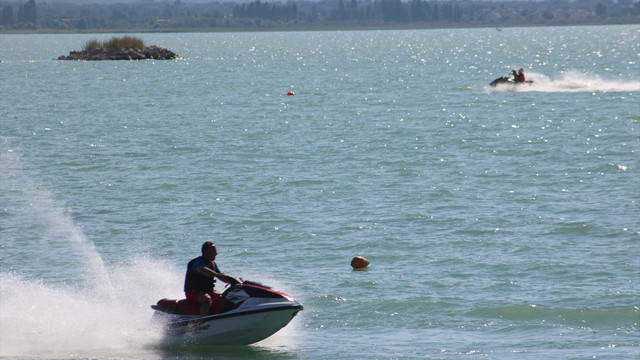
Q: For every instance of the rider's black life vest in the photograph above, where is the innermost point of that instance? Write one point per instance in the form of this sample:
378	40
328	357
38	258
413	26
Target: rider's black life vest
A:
194	281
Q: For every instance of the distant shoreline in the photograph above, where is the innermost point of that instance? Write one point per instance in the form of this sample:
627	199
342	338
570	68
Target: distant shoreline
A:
178	16
332	27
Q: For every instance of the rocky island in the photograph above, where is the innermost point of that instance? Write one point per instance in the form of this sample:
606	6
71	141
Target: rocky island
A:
125	48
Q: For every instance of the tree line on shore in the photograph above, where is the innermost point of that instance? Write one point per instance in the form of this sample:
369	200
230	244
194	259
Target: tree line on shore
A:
176	15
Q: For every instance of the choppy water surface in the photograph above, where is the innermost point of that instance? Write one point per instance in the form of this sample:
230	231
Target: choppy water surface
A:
500	222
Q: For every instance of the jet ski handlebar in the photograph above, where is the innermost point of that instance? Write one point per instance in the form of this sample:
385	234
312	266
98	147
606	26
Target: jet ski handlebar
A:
229	279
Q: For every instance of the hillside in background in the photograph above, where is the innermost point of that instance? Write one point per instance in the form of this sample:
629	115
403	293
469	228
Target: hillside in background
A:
197	15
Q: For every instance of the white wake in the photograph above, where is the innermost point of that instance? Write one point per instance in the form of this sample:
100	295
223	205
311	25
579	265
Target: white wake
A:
570	81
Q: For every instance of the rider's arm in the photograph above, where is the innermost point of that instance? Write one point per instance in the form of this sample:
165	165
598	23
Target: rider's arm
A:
210	273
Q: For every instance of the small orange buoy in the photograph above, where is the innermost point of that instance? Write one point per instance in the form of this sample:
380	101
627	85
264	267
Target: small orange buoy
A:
290	93
359	262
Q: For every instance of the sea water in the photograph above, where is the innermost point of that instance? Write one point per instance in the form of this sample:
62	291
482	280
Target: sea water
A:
500	223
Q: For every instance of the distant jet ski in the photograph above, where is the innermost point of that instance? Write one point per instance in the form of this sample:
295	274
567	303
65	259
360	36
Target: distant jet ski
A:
245	313
511	80
506	80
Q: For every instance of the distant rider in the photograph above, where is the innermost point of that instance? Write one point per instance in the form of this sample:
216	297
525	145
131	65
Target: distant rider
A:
200	278
519	76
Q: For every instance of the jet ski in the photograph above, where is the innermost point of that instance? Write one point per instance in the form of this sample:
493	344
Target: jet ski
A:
509	80
245	313
506	80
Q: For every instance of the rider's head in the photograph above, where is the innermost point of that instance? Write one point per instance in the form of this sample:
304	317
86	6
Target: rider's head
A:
521	70
209	250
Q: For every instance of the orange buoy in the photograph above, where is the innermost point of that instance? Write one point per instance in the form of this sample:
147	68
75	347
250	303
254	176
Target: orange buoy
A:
290	93
359	262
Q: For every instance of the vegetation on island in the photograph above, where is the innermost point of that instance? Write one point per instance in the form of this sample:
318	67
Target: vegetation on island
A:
115	43
215	15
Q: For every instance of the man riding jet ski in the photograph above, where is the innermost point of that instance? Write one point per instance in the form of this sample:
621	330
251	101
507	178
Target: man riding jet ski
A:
201	277
515	77
245	313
